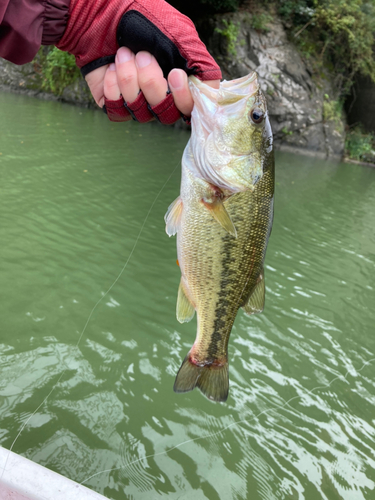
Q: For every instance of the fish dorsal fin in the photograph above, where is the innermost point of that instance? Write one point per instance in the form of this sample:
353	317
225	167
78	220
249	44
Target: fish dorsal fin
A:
220	214
173	217
184	309
255	302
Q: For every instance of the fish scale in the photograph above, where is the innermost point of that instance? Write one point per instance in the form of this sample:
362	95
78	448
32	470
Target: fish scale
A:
222	236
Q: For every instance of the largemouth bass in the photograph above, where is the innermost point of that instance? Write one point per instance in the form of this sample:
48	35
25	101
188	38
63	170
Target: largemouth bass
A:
223	219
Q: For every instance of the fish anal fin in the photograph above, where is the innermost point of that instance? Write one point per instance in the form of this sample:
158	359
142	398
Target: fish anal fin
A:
184	309
220	214
212	379
173	217
255	302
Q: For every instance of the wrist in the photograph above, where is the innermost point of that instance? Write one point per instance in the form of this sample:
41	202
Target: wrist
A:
91	29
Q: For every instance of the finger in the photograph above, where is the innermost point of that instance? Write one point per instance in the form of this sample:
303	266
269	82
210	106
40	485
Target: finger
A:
179	85
150	78
127	76
95	81
111	88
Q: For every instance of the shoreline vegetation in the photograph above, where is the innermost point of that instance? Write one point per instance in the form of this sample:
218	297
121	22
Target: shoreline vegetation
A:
332	38
339	36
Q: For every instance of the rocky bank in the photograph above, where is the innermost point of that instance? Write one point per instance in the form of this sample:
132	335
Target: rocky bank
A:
295	99
28	79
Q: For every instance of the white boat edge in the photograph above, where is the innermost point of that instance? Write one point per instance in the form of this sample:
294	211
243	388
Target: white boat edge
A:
23	479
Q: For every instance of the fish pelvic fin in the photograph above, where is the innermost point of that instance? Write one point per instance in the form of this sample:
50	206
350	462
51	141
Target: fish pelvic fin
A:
212	379
173	217
255	302
184	310
220	214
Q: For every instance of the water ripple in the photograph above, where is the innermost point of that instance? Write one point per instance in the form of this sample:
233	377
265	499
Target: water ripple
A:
299	422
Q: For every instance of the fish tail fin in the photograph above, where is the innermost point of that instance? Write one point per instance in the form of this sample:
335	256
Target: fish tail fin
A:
212	379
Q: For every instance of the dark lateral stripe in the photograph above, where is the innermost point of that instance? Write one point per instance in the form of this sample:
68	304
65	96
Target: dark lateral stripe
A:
222	323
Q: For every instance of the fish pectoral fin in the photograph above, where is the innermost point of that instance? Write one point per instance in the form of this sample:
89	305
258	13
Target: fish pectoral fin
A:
255	302
184	309
173	217
220	214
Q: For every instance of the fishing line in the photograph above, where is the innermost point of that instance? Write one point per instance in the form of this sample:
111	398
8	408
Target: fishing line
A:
90	315
238	422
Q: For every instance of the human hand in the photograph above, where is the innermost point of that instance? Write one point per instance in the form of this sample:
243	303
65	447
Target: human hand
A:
131	73
97	28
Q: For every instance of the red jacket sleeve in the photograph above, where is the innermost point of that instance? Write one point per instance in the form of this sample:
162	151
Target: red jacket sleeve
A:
25	25
97	28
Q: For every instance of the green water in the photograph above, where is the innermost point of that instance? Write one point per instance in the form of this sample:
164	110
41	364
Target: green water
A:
74	193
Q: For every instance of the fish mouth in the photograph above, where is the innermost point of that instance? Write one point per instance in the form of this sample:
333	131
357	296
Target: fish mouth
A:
239	85
229	91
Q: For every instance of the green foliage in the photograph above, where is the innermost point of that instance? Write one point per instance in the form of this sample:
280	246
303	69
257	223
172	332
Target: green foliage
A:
348	34
58	71
339	33
230	32
296	12
221	5
286	131
359	145
259	21
332	110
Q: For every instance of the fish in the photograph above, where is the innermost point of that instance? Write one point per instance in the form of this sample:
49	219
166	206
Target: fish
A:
223	219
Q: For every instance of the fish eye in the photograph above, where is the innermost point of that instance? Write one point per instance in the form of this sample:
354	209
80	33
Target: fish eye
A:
256	115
